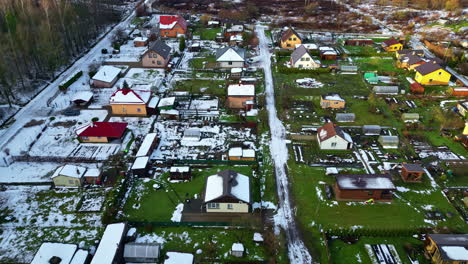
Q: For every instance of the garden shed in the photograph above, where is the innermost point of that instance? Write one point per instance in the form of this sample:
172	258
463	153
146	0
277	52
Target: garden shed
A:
410	117
371	77
389	142
348	68
385	90
345	117
237	250
371	130
140	166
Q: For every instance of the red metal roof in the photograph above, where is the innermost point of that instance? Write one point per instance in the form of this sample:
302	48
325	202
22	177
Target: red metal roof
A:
103	129
168	20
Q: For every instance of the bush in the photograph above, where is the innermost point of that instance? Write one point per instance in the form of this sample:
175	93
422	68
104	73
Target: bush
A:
52	118
63	86
95	119
283	53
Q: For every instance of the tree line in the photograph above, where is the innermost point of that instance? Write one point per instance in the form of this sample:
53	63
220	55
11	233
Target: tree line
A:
39	37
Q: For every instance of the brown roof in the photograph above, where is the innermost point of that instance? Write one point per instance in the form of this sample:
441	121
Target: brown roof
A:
411	59
288	33
390	42
330	130
427	68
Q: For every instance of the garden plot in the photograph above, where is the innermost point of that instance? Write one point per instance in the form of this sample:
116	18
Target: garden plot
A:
28	172
140	76
95	151
140	126
425	150
383	254
91	202
128	53
309	83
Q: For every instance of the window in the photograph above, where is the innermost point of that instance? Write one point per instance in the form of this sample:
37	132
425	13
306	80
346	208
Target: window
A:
294	39
440	73
229	206
290	39
159	62
307	59
300	65
302	59
152	62
70	181
230	63
138	110
213	205
333	144
288	45
430	80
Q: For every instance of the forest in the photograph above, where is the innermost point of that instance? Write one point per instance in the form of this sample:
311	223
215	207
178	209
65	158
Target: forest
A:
40	37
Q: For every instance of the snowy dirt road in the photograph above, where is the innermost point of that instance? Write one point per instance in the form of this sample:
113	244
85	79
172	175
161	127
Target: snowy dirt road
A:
297	251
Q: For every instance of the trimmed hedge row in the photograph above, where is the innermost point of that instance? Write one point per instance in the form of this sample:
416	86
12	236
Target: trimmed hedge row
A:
283	69
65	85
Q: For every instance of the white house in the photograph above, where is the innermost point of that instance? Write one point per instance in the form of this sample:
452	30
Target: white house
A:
230	57
302	59
332	137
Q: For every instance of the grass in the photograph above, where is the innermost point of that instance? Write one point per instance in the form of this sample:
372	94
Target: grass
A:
377	64
207	33
207	87
200	63
144	197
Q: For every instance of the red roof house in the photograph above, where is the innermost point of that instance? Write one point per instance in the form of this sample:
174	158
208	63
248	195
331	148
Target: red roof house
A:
101	132
172	26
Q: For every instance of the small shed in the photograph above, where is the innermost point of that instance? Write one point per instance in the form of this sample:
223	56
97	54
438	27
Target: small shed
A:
141	252
68	176
386	90
371	77
93	176
147	145
180	173
140	166
82	98
389	142
410	117
140	41
240	154
460	91
170	114
236	73
345	117
237	250
152	105
348	68
411	172
371	130
50	251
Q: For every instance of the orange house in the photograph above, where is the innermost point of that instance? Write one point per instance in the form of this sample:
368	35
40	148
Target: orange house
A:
240	96
172	26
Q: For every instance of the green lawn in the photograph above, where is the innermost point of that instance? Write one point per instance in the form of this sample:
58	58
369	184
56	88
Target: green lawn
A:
207	87
145	203
380	65
202	63
207	33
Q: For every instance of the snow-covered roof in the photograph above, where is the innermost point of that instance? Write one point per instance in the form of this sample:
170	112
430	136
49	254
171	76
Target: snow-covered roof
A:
227	183
235	28
237	247
167	101
146	145
107	73
456	253
239	152
324	48
236	38
178	258
201	104
153	102
140	163
257	237
230	54
331	171
241	90
109	244
69	171
236	70
141	39
129	96
192	134
80	257
333	97
82	96
248	153
141	250
92	173
169	112
49	250
364	181
179	169
309	46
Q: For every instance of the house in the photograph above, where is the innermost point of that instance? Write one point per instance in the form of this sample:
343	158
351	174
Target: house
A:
180	173
459	91
148	144
227	192
389	142
411	172
328	53
240	154
141	252
345	117
54	253
431	74
109	250
403	52
172	26
158	55
371	130
140	42
234	30
362	187
101	132
371	77
416	88
178	258
106	77
129	102
302	59
462	108
391	45
236	73
332	100
82	98
237	250
289	39
69	176
140	166
93	176
409	62
410	117
230	57
359	42
447	248
386	90
331	137
240	96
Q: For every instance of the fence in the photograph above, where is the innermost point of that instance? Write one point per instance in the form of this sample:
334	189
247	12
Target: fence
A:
176	224
227	162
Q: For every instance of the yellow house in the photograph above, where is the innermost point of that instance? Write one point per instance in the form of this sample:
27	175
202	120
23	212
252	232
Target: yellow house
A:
289	39
333	101
447	248
431	73
129	102
227	192
465	130
391	45
68	176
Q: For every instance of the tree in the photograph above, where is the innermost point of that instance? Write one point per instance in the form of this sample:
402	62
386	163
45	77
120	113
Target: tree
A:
125	85
182	43
452	5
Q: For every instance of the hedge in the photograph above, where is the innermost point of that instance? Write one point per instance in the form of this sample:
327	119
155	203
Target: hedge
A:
283	69
63	86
